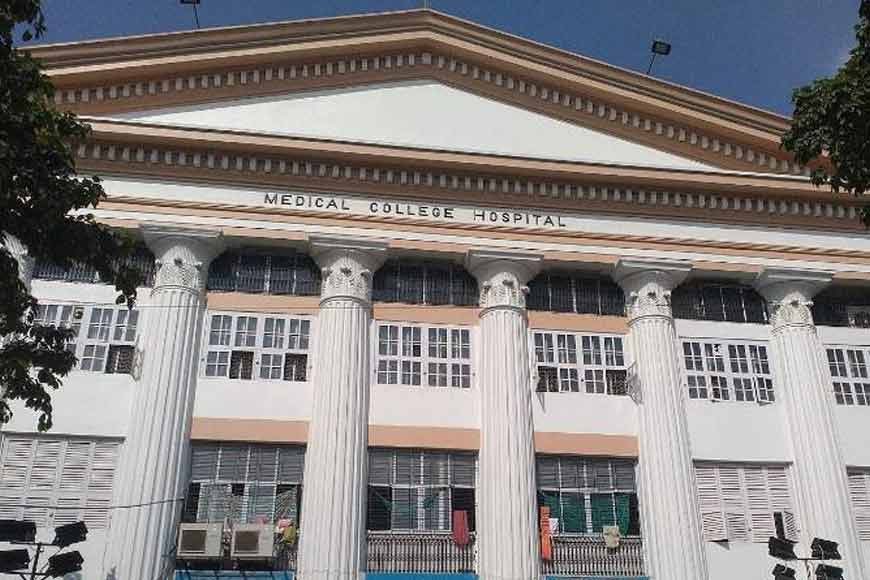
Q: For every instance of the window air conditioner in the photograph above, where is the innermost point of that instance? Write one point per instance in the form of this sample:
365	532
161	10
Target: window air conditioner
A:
252	541
199	541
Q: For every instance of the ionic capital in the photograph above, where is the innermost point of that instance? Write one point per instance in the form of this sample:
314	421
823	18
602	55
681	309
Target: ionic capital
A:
648	284
182	255
502	276
789	295
347	266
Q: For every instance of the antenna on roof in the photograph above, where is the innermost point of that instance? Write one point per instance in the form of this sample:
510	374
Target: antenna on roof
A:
193	3
659	47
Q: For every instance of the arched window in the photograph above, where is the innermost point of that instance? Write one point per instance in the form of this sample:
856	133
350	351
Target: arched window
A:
583	294
142	259
290	273
712	300
425	282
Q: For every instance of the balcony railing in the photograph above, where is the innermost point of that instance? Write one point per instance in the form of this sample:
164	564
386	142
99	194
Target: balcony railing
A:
588	556
418	552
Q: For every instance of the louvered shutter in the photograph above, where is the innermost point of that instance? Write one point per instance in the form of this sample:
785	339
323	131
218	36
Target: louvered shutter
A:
598	472
233	463
547	471
859	490
733	504
204	460
407	467
710	503
46	463
263	463
624	476
779	488
17	458
76	459
436	509
462	469
291	464
570	472
761	521
380	467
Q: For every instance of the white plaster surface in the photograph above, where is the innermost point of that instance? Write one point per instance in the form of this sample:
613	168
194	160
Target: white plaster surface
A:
424	114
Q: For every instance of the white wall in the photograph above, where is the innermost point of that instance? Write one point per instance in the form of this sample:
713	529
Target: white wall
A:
584	413
740	561
424	406
278	400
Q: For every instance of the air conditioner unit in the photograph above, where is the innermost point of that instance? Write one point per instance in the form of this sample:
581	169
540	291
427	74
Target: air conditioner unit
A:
252	541
200	541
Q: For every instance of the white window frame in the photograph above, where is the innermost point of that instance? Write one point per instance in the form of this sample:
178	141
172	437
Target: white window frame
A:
113	327
722	370
445	356
584	363
54	481
738	501
850	371
244	332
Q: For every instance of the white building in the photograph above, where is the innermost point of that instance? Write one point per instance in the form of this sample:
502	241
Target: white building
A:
448	270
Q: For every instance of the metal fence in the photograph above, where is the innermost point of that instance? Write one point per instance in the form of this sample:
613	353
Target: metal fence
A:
588	556
418	552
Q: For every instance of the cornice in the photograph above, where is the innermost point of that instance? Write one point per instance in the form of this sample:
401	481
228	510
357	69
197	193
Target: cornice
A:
220	156
137	73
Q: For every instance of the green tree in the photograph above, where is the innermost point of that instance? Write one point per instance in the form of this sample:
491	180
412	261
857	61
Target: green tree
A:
832	118
44	204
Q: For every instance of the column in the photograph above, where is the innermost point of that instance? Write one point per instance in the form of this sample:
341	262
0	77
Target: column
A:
673	545
155	462
333	527
805	390
22	256
507	522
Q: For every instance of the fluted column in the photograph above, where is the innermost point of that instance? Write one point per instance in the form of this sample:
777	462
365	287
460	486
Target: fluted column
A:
673	545
805	390
22	256
507	522
154	466
333	527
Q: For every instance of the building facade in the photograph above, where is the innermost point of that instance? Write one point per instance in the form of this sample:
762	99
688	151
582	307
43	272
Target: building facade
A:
446	301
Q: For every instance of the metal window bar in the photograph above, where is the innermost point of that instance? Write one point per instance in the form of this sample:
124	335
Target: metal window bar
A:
418	552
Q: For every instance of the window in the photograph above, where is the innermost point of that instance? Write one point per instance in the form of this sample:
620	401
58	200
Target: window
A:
742	502
859	491
586	494
719	302
436	356
57	481
267	347
294	274
573	363
417	282
849	371
245	483
725	371
413	490
561	292
142	259
842	306
103	338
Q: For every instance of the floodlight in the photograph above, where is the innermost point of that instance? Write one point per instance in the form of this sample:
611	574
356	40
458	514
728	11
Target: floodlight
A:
781	549
825	549
17	531
825	572
63	564
781	572
70	534
12	560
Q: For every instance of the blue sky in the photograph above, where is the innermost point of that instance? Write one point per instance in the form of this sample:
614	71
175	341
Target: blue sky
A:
755	52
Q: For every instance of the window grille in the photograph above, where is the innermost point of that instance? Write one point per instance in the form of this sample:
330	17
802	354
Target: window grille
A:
742	502
295	274
586	494
842	306
103	337
424	282
414	490
433	356
859	491
849	371
244	483
142	259
57	481
583	295
718	302
728	371
574	363
262	346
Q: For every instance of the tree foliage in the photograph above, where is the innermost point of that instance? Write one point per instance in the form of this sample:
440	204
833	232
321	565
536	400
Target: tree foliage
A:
832	118
44	204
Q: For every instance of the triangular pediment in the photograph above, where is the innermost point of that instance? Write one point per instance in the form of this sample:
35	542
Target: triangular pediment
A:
420	114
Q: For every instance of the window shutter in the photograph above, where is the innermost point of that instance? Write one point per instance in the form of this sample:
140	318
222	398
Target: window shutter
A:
859	490
291	464
263	463
599	474
760	511
547	471
233	463
623	473
733	504
43	474
204	462
75	466
710	503
779	488
571	472
462	469
380	467
16	463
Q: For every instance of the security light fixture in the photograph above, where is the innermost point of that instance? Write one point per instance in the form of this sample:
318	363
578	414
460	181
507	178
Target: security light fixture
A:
70	534
825	549
781	549
781	572
12	560
825	572
17	531
63	564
